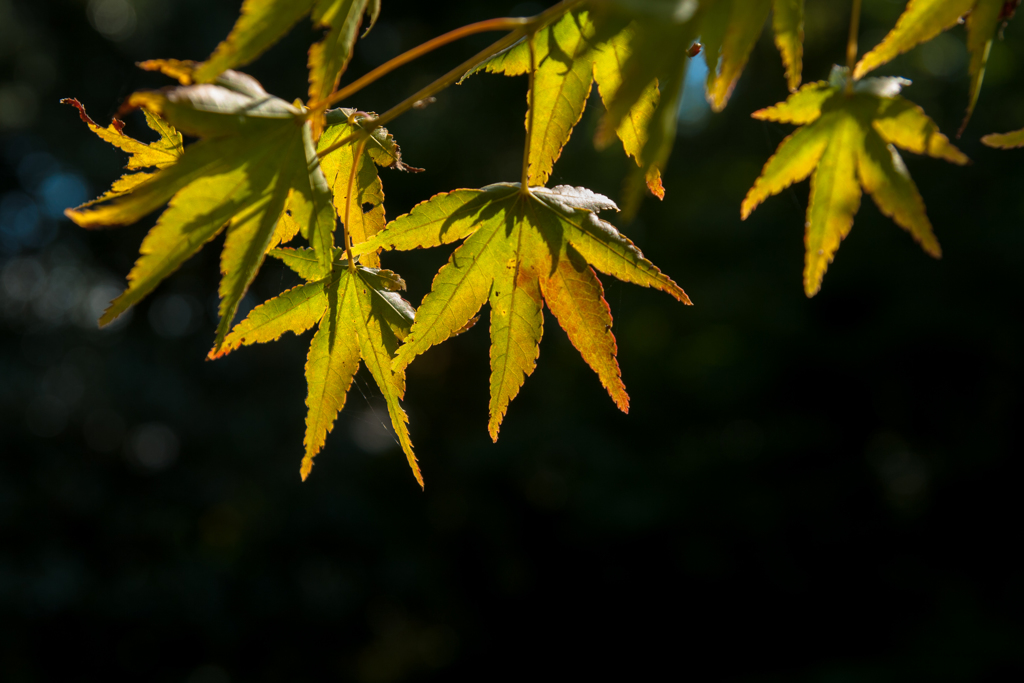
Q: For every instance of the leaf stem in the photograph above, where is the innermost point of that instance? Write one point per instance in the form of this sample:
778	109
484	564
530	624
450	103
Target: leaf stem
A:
524	184
357	159
504	24
851	43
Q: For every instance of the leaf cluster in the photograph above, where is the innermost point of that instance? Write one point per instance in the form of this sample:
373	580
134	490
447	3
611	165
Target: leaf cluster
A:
267	172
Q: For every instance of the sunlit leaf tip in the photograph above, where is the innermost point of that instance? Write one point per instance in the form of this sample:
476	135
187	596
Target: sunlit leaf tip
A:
179	69
1005	140
788	25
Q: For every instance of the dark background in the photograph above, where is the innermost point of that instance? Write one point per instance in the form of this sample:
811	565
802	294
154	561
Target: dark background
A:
804	490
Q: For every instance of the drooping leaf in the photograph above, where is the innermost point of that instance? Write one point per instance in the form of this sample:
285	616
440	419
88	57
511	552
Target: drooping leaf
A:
662	36
609	58
982	24
727	29
925	19
848	141
568	59
729	32
360	317
1005	140
262	23
657	54
156	155
521	249
254	170
788	24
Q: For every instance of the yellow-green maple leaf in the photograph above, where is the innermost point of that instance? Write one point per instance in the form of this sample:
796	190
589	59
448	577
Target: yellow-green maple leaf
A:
848	140
567	60
522	249
261	23
144	155
360	317
254	161
925	19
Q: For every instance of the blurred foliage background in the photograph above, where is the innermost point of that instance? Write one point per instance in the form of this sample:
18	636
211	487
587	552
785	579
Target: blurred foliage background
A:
804	490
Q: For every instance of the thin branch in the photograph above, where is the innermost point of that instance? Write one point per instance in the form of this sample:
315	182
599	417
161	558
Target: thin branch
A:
506	24
851	43
532	25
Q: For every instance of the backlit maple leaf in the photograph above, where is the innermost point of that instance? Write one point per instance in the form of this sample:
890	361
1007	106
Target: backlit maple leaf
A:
847	141
522	249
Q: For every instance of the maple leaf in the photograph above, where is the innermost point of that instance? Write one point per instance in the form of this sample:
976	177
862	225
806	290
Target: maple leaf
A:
360	317
522	249
731	28
567	60
924	19
848	140
380	149
261	23
255	159
159	154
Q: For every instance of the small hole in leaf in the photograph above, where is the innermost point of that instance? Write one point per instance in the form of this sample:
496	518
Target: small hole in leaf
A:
367	207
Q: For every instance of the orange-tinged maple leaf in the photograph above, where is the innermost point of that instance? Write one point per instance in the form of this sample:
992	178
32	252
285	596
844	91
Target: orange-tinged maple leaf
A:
521	249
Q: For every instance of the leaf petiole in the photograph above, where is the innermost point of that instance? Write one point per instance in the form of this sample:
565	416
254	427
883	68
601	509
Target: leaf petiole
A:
503	24
348	201
851	43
